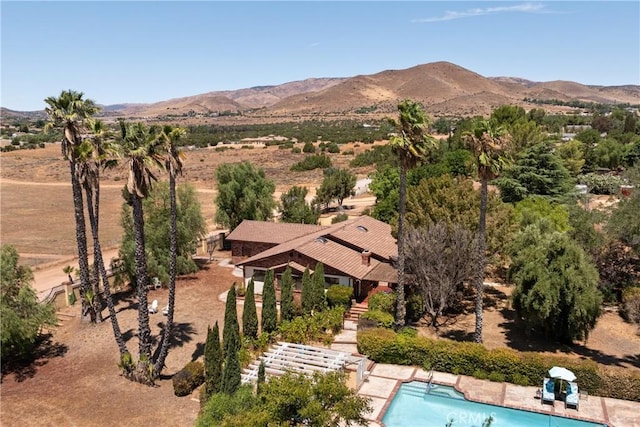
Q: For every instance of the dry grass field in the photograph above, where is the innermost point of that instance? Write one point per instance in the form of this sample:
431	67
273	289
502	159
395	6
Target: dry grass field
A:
37	209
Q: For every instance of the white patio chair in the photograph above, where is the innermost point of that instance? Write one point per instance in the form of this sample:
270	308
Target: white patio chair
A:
153	308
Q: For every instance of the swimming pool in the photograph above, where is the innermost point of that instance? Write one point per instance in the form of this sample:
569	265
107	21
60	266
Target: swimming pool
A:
412	406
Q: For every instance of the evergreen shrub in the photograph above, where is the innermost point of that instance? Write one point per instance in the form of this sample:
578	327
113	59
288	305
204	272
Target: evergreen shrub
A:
188	378
383	301
338	295
382	318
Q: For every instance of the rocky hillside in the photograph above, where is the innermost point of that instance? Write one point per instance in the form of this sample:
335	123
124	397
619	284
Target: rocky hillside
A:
442	87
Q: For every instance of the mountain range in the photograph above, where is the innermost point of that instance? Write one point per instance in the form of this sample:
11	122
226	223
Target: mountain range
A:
445	89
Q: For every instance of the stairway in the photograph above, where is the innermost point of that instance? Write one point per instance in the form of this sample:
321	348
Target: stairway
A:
356	310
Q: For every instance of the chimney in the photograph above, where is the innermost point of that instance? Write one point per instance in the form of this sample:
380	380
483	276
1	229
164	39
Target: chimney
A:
366	257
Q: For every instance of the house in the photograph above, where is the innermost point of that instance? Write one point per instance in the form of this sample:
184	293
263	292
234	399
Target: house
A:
355	253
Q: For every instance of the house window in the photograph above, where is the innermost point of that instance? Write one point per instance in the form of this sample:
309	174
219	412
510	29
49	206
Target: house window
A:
259	275
322	240
362	228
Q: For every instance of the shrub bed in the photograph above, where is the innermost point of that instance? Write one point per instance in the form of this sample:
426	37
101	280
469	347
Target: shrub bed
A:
385	346
319	327
338	295
188	378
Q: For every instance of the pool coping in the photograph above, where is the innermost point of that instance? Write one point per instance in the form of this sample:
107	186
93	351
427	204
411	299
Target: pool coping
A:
414	376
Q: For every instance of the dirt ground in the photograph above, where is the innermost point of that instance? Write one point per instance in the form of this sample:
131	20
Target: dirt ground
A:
76	381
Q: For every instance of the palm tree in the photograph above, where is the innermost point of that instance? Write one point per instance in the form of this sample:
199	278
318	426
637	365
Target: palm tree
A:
140	146
97	154
173	164
489	143
70	112
411	145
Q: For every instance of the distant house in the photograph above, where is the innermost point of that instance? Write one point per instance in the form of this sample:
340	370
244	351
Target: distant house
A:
355	253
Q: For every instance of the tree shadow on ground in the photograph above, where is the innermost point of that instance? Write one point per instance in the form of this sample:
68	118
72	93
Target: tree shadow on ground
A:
26	367
199	351
518	338
180	335
128	335
492	297
458	335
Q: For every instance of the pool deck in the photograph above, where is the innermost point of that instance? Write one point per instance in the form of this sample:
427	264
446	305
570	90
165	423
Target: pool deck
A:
384	380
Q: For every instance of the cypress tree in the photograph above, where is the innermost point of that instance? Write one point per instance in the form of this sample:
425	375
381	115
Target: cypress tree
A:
318	288
231	371
249	315
213	361
307	292
286	295
269	309
261	377
231	329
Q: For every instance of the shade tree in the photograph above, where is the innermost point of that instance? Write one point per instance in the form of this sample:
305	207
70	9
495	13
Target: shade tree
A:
443	258
556	286
22	315
337	184
295	209
244	192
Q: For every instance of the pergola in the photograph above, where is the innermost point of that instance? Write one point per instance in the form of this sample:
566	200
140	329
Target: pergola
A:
284	357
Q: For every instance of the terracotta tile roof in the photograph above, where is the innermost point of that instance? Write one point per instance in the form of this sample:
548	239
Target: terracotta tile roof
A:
337	256
270	232
383	272
340	246
367	234
294	266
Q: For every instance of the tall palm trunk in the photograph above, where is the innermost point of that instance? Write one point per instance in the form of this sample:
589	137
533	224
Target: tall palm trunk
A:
173	249
94	269
92	208
142	282
477	337
401	307
81	240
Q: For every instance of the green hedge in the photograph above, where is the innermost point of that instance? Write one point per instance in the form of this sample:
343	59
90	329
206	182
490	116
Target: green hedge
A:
383	301
188	378
381	318
466	358
338	295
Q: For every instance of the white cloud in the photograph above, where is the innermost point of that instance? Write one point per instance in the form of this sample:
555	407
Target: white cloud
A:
314	44
469	13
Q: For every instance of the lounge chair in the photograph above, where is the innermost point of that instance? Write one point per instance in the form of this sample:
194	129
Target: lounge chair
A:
153	308
572	397
165	310
548	391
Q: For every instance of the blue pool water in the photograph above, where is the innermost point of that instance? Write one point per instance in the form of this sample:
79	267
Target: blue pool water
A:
412	406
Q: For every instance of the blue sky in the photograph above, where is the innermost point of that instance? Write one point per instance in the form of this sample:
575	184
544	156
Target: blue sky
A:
150	51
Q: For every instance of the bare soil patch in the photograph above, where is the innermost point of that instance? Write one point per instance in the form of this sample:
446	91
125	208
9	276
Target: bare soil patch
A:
80	384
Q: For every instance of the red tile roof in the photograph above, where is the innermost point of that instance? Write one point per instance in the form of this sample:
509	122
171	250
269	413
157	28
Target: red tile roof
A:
270	232
340	246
